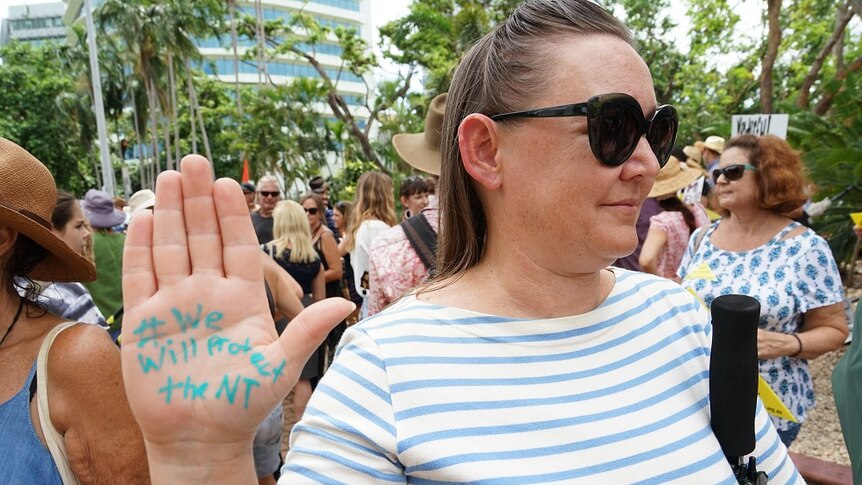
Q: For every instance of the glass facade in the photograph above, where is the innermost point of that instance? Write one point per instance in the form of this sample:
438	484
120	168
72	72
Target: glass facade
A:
242	41
224	66
36	23
275	14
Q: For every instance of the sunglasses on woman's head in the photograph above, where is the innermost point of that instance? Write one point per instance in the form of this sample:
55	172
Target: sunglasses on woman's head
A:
615	123
732	172
311	210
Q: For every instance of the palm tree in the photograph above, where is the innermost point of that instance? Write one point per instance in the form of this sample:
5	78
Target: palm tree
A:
138	22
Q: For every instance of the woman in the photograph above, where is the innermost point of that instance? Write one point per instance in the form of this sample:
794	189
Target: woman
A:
528	360
670	230
341	214
86	409
292	250
414	196
107	289
757	250
373	213
324	243
70	300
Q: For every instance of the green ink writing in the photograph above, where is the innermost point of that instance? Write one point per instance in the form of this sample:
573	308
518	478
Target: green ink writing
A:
196	391
278	371
259	361
212	318
168	389
148	331
225	388
187	320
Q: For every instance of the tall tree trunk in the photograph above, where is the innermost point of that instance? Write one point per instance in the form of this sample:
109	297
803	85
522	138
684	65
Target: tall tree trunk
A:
192	107
166	133
773	42
194	102
234	40
174	112
261	43
844	16
138	141
154	127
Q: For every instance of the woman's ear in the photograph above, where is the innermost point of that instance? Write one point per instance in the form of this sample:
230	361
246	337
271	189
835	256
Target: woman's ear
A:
8	236
479	143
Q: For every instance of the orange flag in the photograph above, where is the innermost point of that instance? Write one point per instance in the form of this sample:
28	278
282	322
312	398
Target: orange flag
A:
245	176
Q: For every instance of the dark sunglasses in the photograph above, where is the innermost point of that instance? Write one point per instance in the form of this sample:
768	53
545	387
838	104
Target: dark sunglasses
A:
615	123
732	172
311	210
268	194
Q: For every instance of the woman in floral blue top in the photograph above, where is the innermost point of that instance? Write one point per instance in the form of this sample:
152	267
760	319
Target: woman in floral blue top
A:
757	250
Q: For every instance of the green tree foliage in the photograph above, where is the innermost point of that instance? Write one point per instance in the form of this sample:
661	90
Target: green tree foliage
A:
32	79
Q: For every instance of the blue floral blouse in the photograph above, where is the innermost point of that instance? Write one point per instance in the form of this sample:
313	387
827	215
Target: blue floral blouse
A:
788	277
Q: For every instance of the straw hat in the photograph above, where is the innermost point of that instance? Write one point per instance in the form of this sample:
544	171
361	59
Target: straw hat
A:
140	201
714	143
673	177
27	198
422	150
693	153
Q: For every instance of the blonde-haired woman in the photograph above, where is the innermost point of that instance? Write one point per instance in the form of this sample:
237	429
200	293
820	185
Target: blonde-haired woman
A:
373	213
291	248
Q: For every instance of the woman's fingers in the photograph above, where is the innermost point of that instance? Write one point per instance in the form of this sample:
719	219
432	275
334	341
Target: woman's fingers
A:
201	221
139	279
241	251
170	246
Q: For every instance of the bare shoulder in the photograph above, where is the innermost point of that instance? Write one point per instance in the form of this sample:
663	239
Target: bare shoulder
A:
83	368
80	347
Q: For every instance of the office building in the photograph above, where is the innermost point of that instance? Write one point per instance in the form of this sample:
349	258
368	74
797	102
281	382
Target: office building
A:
35	24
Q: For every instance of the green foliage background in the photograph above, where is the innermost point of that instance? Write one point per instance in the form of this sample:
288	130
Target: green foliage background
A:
152	76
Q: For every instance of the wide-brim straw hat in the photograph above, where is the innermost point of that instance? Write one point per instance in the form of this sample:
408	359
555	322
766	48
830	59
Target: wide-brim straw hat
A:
673	177
27	198
714	143
693	153
422	150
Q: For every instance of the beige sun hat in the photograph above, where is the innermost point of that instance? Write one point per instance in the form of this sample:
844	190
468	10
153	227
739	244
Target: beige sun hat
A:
27	198
714	143
422	150
140	201
673	177
693	153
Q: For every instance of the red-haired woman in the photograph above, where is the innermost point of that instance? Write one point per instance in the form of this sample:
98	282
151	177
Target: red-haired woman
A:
757	250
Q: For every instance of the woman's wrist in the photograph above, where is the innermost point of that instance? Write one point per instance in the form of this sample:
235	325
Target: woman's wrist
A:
209	463
798	343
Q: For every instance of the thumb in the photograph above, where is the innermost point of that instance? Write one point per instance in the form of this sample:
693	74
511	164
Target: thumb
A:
306	332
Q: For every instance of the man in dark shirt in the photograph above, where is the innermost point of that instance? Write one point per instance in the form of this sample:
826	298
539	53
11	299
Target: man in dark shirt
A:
267	189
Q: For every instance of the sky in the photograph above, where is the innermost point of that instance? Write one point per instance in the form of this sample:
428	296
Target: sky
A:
382	11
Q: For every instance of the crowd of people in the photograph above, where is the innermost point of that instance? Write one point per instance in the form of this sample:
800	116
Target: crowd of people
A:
476	337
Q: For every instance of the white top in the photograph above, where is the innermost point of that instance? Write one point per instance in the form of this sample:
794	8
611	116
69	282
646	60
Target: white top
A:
366	234
431	394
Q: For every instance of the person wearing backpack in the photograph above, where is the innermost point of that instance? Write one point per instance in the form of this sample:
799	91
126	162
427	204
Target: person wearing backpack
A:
405	255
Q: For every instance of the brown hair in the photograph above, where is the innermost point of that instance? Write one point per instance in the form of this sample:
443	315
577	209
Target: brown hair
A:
63	210
779	176
374	200
318	202
501	73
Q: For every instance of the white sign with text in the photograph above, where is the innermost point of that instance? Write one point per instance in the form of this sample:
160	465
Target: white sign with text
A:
759	125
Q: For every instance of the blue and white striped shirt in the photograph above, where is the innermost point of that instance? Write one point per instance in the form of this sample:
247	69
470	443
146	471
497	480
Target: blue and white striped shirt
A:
427	394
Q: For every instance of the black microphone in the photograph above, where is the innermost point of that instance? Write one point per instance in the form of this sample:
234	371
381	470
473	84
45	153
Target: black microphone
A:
733	377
